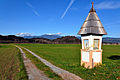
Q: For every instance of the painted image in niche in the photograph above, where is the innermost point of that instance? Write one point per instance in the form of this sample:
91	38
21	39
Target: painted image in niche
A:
96	44
86	43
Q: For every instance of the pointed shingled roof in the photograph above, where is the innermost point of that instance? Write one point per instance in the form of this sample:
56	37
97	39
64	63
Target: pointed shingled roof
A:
92	24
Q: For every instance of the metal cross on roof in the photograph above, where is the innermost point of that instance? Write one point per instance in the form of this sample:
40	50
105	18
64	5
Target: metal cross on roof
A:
92	4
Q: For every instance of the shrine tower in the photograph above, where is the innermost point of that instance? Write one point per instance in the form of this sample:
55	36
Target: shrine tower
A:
91	33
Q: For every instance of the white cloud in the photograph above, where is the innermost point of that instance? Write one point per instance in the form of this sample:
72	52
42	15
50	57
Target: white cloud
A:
24	34
70	4
49	34
108	5
58	33
34	11
54	33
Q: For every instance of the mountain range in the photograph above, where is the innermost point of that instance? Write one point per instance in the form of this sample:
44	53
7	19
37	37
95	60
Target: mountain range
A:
52	37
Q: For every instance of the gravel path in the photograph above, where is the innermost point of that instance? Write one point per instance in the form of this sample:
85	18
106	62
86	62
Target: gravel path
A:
32	71
63	73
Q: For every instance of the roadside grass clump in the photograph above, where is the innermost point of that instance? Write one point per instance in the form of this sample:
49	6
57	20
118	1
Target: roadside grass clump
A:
48	72
22	74
10	63
67	56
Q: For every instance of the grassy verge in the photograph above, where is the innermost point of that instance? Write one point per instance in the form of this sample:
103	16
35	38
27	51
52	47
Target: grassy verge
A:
42	66
22	75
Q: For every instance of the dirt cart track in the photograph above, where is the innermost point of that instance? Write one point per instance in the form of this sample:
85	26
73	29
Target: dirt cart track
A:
32	71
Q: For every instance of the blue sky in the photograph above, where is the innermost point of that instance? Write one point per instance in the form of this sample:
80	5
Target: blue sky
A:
63	17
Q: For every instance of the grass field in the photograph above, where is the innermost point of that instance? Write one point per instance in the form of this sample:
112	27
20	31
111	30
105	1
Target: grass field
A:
67	56
11	64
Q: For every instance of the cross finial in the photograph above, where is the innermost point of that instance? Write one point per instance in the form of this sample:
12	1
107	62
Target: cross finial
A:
92	9
92	4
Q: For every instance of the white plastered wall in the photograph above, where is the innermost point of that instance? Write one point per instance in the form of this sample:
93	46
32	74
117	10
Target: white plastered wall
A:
91	40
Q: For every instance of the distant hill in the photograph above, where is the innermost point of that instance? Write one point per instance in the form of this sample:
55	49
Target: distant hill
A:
111	40
51	37
68	40
11	39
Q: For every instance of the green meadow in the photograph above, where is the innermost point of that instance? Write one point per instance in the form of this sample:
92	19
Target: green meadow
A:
11	63
67	56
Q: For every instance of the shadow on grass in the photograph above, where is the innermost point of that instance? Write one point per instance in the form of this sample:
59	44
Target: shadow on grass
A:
114	57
